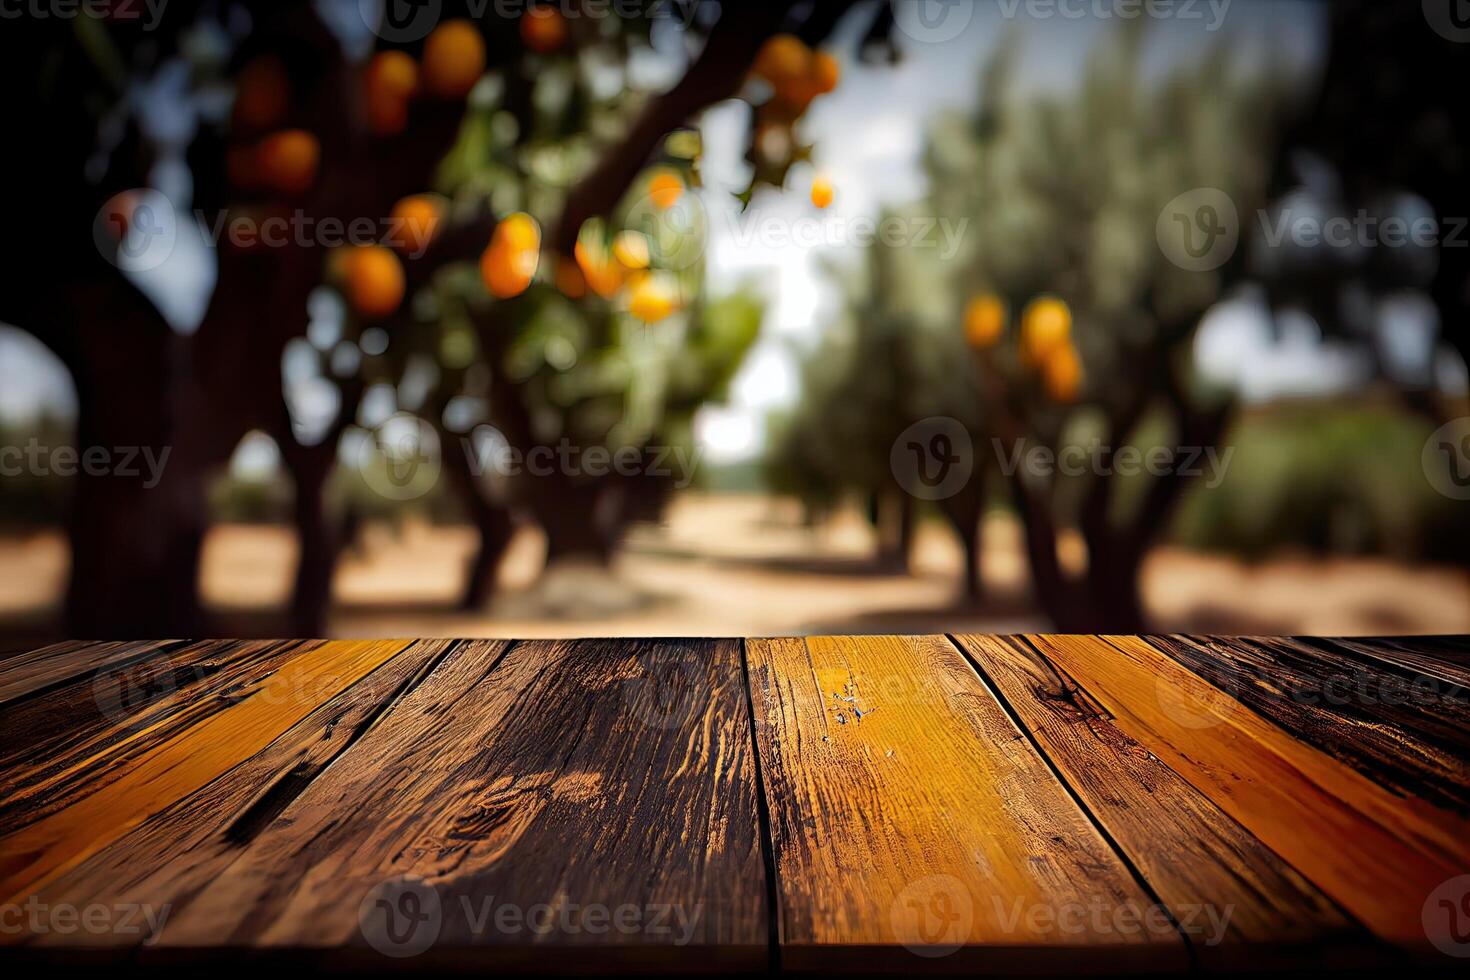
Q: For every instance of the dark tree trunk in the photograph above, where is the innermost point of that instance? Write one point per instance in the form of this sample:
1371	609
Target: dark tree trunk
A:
491	520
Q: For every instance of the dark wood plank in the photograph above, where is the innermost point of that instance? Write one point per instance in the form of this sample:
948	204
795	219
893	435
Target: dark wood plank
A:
177	851
1403	729
1441	657
76	737
595	799
35	670
1237	903
930	823
234	727
1376	854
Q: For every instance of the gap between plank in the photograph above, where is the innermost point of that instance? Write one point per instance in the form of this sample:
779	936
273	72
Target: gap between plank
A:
763	820
1117	848
261	812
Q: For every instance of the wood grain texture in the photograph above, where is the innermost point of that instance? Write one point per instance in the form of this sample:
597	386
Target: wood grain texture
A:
1405	730
1236	902
1376	854
235	724
75	738
554	798
36	670
174	853
930	822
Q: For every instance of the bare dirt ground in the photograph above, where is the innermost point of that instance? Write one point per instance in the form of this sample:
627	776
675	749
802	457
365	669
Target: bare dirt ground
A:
745	565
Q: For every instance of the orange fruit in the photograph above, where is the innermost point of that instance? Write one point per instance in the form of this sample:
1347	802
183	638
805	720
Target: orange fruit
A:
454	59
665	189
289	160
985	320
543	29
1046	325
653	297
414	223
782	58
825	72
822	192
262	93
1061	373
392	78
630	248
604	276
569	279
509	265
374	280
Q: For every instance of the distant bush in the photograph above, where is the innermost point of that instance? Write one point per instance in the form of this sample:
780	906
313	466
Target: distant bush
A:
1328	478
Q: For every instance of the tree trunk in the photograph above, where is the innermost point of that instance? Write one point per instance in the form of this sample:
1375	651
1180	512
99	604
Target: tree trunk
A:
491	520
319	538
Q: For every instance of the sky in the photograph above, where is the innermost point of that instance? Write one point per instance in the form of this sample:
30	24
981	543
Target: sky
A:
869	135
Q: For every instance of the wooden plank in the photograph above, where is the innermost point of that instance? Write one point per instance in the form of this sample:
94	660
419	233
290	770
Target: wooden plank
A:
237	725
1237	903
1445	658
76	737
35	670
1376	854
930	823
1406	731
555	799
177	851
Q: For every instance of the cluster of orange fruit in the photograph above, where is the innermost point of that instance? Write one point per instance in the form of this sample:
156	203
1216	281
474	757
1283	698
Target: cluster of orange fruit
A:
795	72
1045	343
372	276
454	59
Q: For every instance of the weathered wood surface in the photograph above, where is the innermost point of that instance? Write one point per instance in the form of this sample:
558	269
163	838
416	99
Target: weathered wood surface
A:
1023	804
916	815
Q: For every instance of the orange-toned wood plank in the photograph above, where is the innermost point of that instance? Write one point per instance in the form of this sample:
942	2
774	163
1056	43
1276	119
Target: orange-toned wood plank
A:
174	853
1236	901
608	784
244	722
929	822
1376	854
76	737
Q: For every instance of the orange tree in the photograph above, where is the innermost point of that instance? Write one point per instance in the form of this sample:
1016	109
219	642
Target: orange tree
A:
311	136
1080	312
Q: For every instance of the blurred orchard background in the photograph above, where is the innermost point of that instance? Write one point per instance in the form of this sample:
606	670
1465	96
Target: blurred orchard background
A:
571	318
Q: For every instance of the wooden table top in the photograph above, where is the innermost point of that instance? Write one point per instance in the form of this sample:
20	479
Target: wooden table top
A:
972	803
